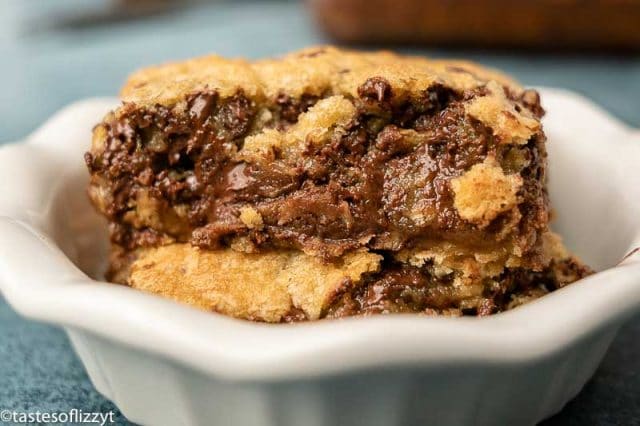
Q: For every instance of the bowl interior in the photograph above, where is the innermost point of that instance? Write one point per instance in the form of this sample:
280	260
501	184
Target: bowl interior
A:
594	180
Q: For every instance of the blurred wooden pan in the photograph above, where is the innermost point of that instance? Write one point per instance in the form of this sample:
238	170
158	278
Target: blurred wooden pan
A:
592	24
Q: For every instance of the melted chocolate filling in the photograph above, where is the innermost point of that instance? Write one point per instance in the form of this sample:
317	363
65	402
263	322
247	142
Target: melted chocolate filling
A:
369	186
401	288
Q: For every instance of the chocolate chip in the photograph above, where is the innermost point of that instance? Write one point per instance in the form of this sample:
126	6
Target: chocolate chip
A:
375	89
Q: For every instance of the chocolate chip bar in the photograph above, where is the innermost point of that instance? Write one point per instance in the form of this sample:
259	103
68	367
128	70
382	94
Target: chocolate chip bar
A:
434	171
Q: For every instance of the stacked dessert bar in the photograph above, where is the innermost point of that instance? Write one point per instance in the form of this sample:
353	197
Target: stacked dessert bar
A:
328	183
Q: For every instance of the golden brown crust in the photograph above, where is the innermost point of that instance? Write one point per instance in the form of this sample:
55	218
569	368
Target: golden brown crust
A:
263	287
314	127
510	124
484	192
331	73
314	70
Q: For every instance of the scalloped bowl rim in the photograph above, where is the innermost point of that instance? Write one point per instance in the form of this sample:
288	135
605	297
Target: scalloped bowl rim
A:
56	291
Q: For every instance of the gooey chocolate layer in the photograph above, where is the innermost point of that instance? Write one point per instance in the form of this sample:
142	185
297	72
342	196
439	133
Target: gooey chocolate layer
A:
168	175
401	288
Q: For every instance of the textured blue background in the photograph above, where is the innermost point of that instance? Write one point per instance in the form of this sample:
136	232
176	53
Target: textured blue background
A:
45	67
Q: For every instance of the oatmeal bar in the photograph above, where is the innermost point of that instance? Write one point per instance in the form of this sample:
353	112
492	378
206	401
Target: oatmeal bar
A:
324	151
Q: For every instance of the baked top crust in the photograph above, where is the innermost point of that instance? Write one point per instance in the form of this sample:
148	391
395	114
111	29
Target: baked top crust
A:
319	70
327	71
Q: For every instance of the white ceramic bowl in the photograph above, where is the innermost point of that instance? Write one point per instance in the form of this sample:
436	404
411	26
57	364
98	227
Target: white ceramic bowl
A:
163	363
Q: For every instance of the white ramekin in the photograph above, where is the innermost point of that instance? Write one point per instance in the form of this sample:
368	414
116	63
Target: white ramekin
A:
163	363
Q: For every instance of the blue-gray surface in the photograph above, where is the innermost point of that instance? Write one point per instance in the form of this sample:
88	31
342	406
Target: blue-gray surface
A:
46	65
